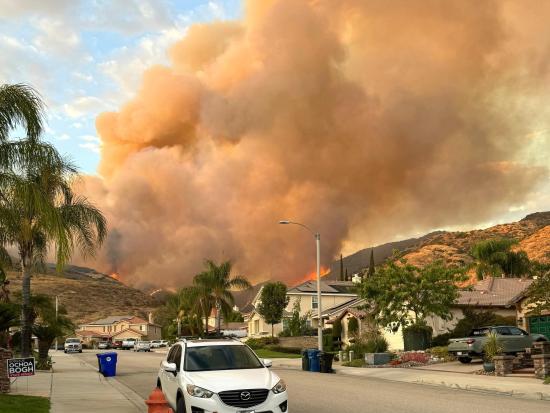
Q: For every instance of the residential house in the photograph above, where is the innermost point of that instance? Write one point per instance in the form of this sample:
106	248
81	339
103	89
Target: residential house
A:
118	328
333	294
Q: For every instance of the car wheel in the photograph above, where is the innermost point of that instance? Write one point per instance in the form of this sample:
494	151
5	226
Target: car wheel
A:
180	408
65	351
80	351
465	360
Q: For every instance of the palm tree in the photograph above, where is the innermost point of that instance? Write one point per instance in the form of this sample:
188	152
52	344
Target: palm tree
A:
186	306
20	105
38	208
215	285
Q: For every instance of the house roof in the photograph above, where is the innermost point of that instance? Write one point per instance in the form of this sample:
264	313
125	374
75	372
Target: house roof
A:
495	292
137	320
337	309
88	333
129	329
327	287
110	320
234	326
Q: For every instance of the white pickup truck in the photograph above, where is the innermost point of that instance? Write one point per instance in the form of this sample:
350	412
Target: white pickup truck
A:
128	344
72	345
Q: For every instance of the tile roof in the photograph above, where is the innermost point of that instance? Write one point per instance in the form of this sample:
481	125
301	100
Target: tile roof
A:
341	307
110	320
88	333
495	292
327	287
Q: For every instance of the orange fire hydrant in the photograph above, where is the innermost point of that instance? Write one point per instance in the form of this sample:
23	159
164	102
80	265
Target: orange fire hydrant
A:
157	403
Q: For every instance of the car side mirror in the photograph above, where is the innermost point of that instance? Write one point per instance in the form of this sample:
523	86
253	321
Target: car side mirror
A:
267	362
169	367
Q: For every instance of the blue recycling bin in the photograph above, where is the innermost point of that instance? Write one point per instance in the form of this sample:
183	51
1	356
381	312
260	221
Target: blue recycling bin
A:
107	363
314	361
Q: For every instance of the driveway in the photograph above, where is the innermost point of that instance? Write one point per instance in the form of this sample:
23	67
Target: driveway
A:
455	367
329	393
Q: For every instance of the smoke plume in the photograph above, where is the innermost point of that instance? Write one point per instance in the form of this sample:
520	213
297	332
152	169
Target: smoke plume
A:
362	119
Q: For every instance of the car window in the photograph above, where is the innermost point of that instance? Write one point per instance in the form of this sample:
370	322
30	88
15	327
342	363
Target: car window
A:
516	331
503	331
170	358
177	358
224	357
478	332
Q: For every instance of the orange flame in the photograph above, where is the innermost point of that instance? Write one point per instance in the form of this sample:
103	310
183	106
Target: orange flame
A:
310	276
115	276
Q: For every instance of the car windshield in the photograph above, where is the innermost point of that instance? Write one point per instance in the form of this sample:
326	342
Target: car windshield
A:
477	332
72	340
226	357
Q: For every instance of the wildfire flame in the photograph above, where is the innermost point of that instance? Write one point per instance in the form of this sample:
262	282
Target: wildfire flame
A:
115	276
313	274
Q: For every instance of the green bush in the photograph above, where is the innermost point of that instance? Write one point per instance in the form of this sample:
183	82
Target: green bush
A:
353	326
377	344
417	337
441	352
441	340
281	349
257	343
337	328
546	380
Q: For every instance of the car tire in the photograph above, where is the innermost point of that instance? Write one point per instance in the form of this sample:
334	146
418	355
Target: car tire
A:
65	351
80	351
180	407
465	360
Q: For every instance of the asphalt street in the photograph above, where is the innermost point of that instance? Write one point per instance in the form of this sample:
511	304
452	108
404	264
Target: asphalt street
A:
315	393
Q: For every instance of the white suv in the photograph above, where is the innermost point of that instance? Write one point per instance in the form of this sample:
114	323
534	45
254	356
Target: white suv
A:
223	376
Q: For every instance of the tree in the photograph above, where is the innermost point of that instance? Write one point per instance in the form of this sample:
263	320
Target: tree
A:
297	325
494	257
337	328
353	326
341	268
403	294
273	301
370	272
47	324
38	210
20	105
214	287
538	295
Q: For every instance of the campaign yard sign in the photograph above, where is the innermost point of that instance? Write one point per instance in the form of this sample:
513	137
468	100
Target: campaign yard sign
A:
21	367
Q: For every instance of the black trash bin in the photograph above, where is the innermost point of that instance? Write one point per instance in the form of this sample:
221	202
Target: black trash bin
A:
326	362
305	360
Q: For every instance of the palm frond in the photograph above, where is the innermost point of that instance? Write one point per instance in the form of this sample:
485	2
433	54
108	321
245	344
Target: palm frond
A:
20	104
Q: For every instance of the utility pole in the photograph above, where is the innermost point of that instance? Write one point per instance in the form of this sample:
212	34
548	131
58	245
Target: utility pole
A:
56	311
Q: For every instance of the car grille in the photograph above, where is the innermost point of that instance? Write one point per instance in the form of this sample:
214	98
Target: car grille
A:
239	398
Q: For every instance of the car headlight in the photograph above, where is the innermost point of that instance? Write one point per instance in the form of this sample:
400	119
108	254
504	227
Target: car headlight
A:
279	387
197	391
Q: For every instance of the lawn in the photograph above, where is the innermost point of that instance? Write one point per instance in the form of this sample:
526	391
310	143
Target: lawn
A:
269	354
26	404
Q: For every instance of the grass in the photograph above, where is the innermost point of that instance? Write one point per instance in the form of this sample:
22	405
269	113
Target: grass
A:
270	354
354	363
547	380
26	404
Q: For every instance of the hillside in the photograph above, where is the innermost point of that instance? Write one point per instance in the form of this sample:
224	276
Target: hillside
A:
87	294
532	232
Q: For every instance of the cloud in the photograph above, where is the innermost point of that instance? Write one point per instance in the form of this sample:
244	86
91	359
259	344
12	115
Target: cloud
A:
90	138
93	147
84	106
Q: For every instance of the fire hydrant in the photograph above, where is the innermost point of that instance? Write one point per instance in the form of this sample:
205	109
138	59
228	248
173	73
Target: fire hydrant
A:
157	403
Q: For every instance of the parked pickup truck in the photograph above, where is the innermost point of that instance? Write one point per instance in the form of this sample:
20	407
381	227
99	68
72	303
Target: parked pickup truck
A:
513	340
128	344
72	345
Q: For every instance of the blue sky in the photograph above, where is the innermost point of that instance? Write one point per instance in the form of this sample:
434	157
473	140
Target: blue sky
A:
86	57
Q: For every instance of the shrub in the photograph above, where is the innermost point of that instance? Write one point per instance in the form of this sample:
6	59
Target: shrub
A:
546	380
417	336
441	340
353	326
281	349
257	343
337	328
414	356
441	352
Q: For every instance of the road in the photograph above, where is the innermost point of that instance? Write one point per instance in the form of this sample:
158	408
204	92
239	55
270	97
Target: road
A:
312	393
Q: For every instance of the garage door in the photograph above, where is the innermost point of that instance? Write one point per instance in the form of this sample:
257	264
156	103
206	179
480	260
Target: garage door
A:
540	325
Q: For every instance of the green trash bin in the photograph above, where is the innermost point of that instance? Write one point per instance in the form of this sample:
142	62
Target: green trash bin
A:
326	362
305	360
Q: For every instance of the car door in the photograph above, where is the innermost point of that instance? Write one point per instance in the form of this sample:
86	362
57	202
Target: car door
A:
505	339
170	384
521	338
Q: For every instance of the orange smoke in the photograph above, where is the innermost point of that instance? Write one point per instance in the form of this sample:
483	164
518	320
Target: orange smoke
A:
362	120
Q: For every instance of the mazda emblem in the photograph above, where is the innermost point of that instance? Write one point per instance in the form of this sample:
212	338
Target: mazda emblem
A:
245	395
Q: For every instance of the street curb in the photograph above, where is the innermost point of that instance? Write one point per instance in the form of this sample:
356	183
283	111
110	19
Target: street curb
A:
126	391
454	386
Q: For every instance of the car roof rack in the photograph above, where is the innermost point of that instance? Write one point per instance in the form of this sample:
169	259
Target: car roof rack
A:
185	339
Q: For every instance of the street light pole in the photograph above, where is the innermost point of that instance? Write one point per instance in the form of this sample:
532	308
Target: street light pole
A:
317	237
56	311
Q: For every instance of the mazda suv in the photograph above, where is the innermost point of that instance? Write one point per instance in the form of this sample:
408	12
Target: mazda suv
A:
224	376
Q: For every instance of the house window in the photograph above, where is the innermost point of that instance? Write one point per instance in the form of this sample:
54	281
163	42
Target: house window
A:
314	302
308	323
142	328
285	323
256	326
103	328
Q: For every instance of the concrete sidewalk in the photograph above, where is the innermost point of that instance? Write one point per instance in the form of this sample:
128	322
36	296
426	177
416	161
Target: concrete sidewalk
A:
75	386
528	388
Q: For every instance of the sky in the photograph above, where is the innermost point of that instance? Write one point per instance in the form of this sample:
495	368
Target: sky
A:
86	57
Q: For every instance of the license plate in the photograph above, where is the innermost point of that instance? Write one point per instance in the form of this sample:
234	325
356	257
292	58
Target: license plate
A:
459	353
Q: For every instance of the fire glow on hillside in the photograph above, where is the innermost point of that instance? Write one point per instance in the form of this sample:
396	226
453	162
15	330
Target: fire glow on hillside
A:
361	119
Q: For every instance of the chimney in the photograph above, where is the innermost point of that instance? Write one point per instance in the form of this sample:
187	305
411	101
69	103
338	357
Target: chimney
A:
151	320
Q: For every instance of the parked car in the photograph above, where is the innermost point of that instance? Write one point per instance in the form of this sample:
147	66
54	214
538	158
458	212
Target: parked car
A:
164	343
72	345
104	345
128	344
512	339
116	344
219	375
155	343
142	346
